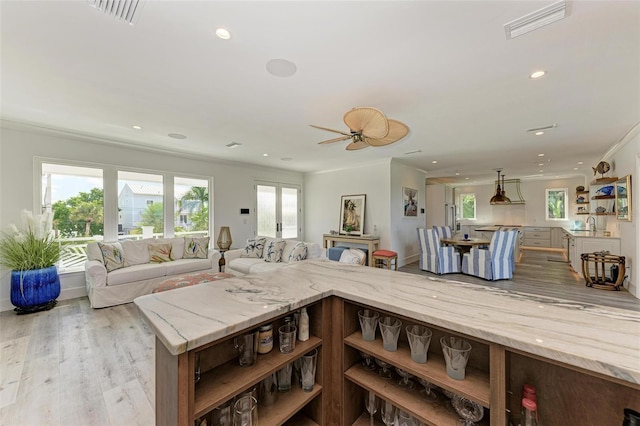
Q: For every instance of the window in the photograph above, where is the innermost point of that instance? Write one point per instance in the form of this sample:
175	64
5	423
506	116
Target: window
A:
277	212
556	204
191	206
468	202
140	204
75	196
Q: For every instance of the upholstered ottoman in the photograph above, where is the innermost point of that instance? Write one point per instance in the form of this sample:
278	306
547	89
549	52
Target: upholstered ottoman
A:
190	279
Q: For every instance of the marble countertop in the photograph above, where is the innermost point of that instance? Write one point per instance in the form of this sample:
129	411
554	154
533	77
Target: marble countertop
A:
590	234
597	338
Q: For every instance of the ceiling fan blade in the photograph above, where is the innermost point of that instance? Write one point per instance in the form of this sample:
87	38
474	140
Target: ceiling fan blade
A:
356	145
340	139
397	131
330	130
370	121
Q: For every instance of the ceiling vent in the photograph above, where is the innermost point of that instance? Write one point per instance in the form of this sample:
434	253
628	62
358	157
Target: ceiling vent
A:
545	16
121	10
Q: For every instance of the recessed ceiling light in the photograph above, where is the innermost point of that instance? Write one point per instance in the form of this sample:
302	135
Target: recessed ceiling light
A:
177	136
265	155
580	162
537	74
540	164
434	162
223	33
575	168
281	68
233	145
539	133
541	171
137	127
540	155
457	173
466	178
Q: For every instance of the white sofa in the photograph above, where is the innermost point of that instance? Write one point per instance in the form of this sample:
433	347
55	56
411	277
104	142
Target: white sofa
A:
238	265
138	276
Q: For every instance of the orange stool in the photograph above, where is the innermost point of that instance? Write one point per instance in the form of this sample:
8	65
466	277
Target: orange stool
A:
385	258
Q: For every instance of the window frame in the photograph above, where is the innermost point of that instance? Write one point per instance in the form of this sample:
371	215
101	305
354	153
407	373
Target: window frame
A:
566	204
475	206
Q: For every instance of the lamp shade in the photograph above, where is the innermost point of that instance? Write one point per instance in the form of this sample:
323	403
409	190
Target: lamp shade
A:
224	238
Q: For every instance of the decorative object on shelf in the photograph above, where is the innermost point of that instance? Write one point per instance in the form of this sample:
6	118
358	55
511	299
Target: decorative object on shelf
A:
224	238
410	202
352	214
579	188
368	127
602	168
605	190
623	198
32	253
601	209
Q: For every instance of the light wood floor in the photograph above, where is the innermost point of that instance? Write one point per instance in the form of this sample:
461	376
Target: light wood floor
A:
75	365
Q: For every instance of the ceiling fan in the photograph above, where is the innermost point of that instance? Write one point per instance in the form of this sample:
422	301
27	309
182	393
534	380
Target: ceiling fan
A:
368	127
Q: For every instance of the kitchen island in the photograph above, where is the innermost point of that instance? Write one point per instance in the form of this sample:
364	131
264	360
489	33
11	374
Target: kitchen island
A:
517	337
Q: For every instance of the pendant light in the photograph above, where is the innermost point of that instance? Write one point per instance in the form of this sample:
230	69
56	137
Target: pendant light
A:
500	197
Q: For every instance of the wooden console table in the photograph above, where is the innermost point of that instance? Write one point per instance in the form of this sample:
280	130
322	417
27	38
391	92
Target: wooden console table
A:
372	243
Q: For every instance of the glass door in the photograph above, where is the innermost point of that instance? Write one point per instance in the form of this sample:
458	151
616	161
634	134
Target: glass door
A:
278	210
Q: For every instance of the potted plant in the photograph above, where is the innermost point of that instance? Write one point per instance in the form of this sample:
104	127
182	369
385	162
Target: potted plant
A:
31	252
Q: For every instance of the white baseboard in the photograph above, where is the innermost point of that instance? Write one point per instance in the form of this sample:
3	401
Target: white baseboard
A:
65	294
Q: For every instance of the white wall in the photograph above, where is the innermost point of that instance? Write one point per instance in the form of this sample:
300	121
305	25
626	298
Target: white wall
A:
233	184
434	201
322	199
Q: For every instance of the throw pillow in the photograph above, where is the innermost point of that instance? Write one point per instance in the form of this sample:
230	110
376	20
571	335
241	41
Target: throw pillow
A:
299	252
254	248
196	247
353	256
160	252
112	255
273	251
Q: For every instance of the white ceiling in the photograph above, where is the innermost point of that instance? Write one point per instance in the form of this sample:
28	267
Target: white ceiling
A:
443	68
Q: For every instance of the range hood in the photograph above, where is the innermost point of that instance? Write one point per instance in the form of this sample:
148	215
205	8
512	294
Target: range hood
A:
504	187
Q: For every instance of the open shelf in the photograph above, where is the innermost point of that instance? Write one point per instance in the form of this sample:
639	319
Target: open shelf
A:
227	380
583	213
299	420
581	192
286	406
603	197
603	181
432	413
475	385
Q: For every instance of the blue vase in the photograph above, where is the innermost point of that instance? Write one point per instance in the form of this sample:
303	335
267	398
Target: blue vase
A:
34	290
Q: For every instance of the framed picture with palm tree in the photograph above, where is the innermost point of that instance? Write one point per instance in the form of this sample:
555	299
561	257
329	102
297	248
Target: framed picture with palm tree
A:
352	214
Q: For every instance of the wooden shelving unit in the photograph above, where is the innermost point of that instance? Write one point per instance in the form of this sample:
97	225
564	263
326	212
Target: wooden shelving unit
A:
606	201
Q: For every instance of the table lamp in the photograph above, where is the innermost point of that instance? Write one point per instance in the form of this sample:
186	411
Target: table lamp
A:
224	238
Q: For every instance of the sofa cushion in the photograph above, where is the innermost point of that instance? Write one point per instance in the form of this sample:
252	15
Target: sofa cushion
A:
187	265
244	264
298	252
112	255
273	250
136	273
159	252
196	247
254	248
136	252
177	247
94	252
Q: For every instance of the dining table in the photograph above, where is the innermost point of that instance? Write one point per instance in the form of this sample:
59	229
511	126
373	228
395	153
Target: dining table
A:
464	245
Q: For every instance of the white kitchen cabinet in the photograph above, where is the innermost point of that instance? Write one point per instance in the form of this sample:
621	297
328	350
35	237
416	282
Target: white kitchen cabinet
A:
557	240
536	236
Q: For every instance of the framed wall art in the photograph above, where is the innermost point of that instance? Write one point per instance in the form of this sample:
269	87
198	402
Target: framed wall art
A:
352	214
410	202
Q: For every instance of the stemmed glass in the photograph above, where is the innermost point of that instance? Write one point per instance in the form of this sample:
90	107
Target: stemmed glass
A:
368	361
468	410
385	372
370	404
428	392
404	380
388	412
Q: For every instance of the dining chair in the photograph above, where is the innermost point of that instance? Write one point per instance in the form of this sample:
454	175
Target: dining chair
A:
434	257
497	262
443	231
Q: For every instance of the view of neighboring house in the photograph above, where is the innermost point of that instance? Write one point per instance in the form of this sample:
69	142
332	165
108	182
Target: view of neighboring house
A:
134	198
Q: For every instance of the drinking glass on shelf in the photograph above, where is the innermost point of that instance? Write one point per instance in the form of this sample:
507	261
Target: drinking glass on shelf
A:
287	336
388	412
419	340
284	378
368	322
223	414
469	411
405	377
368	361
245	412
390	330
370	404
456	354
428	392
385	372
308	370
404	418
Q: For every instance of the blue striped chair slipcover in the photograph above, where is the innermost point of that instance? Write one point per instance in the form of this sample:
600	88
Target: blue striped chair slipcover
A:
434	257
496	263
443	231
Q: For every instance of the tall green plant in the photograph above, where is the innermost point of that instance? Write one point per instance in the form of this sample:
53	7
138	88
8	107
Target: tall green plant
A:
32	247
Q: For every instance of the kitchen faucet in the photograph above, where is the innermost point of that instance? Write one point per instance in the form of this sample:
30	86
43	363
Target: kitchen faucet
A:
591	221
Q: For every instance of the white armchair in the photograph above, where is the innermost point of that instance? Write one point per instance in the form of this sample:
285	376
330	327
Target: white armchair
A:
434	257
497	262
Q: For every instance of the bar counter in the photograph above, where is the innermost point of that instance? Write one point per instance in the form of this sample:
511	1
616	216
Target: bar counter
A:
595	338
